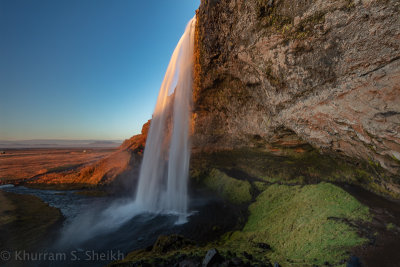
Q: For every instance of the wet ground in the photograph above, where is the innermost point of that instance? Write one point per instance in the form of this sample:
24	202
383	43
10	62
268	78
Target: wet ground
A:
210	217
383	232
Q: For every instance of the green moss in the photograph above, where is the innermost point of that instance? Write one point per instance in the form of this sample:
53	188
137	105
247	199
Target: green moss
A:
395	158
291	167
167	243
270	17
302	224
374	164
168	251
260	186
233	190
348	6
390	226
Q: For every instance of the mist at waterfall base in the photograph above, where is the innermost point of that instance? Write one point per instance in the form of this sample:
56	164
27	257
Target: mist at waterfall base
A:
162	186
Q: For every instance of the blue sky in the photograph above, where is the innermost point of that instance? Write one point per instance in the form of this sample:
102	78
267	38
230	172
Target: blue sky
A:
84	69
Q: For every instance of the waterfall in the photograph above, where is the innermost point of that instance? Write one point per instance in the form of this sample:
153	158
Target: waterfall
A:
165	167
164	172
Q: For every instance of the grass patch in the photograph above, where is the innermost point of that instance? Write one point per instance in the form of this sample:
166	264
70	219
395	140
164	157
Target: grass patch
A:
231	189
302	224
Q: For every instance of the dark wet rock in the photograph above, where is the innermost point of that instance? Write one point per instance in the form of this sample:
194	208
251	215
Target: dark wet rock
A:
212	257
141	264
189	263
353	262
180	257
157	261
264	246
247	255
226	263
230	254
237	261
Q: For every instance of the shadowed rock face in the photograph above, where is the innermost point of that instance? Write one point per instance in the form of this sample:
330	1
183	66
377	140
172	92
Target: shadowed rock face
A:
328	71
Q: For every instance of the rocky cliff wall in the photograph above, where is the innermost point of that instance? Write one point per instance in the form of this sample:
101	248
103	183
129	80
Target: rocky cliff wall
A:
326	71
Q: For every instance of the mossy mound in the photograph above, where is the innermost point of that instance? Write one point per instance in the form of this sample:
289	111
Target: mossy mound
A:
234	190
304	225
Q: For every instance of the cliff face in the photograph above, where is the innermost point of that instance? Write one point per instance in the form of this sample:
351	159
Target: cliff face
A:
328	72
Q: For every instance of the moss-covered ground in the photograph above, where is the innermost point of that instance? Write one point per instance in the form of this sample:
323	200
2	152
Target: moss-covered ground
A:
302	224
234	190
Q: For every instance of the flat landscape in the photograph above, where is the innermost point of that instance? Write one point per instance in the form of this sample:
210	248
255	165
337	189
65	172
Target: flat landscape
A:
20	164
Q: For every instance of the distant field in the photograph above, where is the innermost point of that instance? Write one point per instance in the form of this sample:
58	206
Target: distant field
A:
18	164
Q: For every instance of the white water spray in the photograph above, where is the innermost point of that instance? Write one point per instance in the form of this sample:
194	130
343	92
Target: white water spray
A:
164	172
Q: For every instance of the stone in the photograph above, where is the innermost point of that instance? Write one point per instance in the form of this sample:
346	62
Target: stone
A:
237	261
211	258
247	255
264	246
353	262
189	263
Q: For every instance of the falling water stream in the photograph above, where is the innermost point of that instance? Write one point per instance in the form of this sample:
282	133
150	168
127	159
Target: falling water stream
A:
163	177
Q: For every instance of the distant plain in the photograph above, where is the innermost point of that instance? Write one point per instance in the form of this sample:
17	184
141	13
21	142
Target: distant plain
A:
22	164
